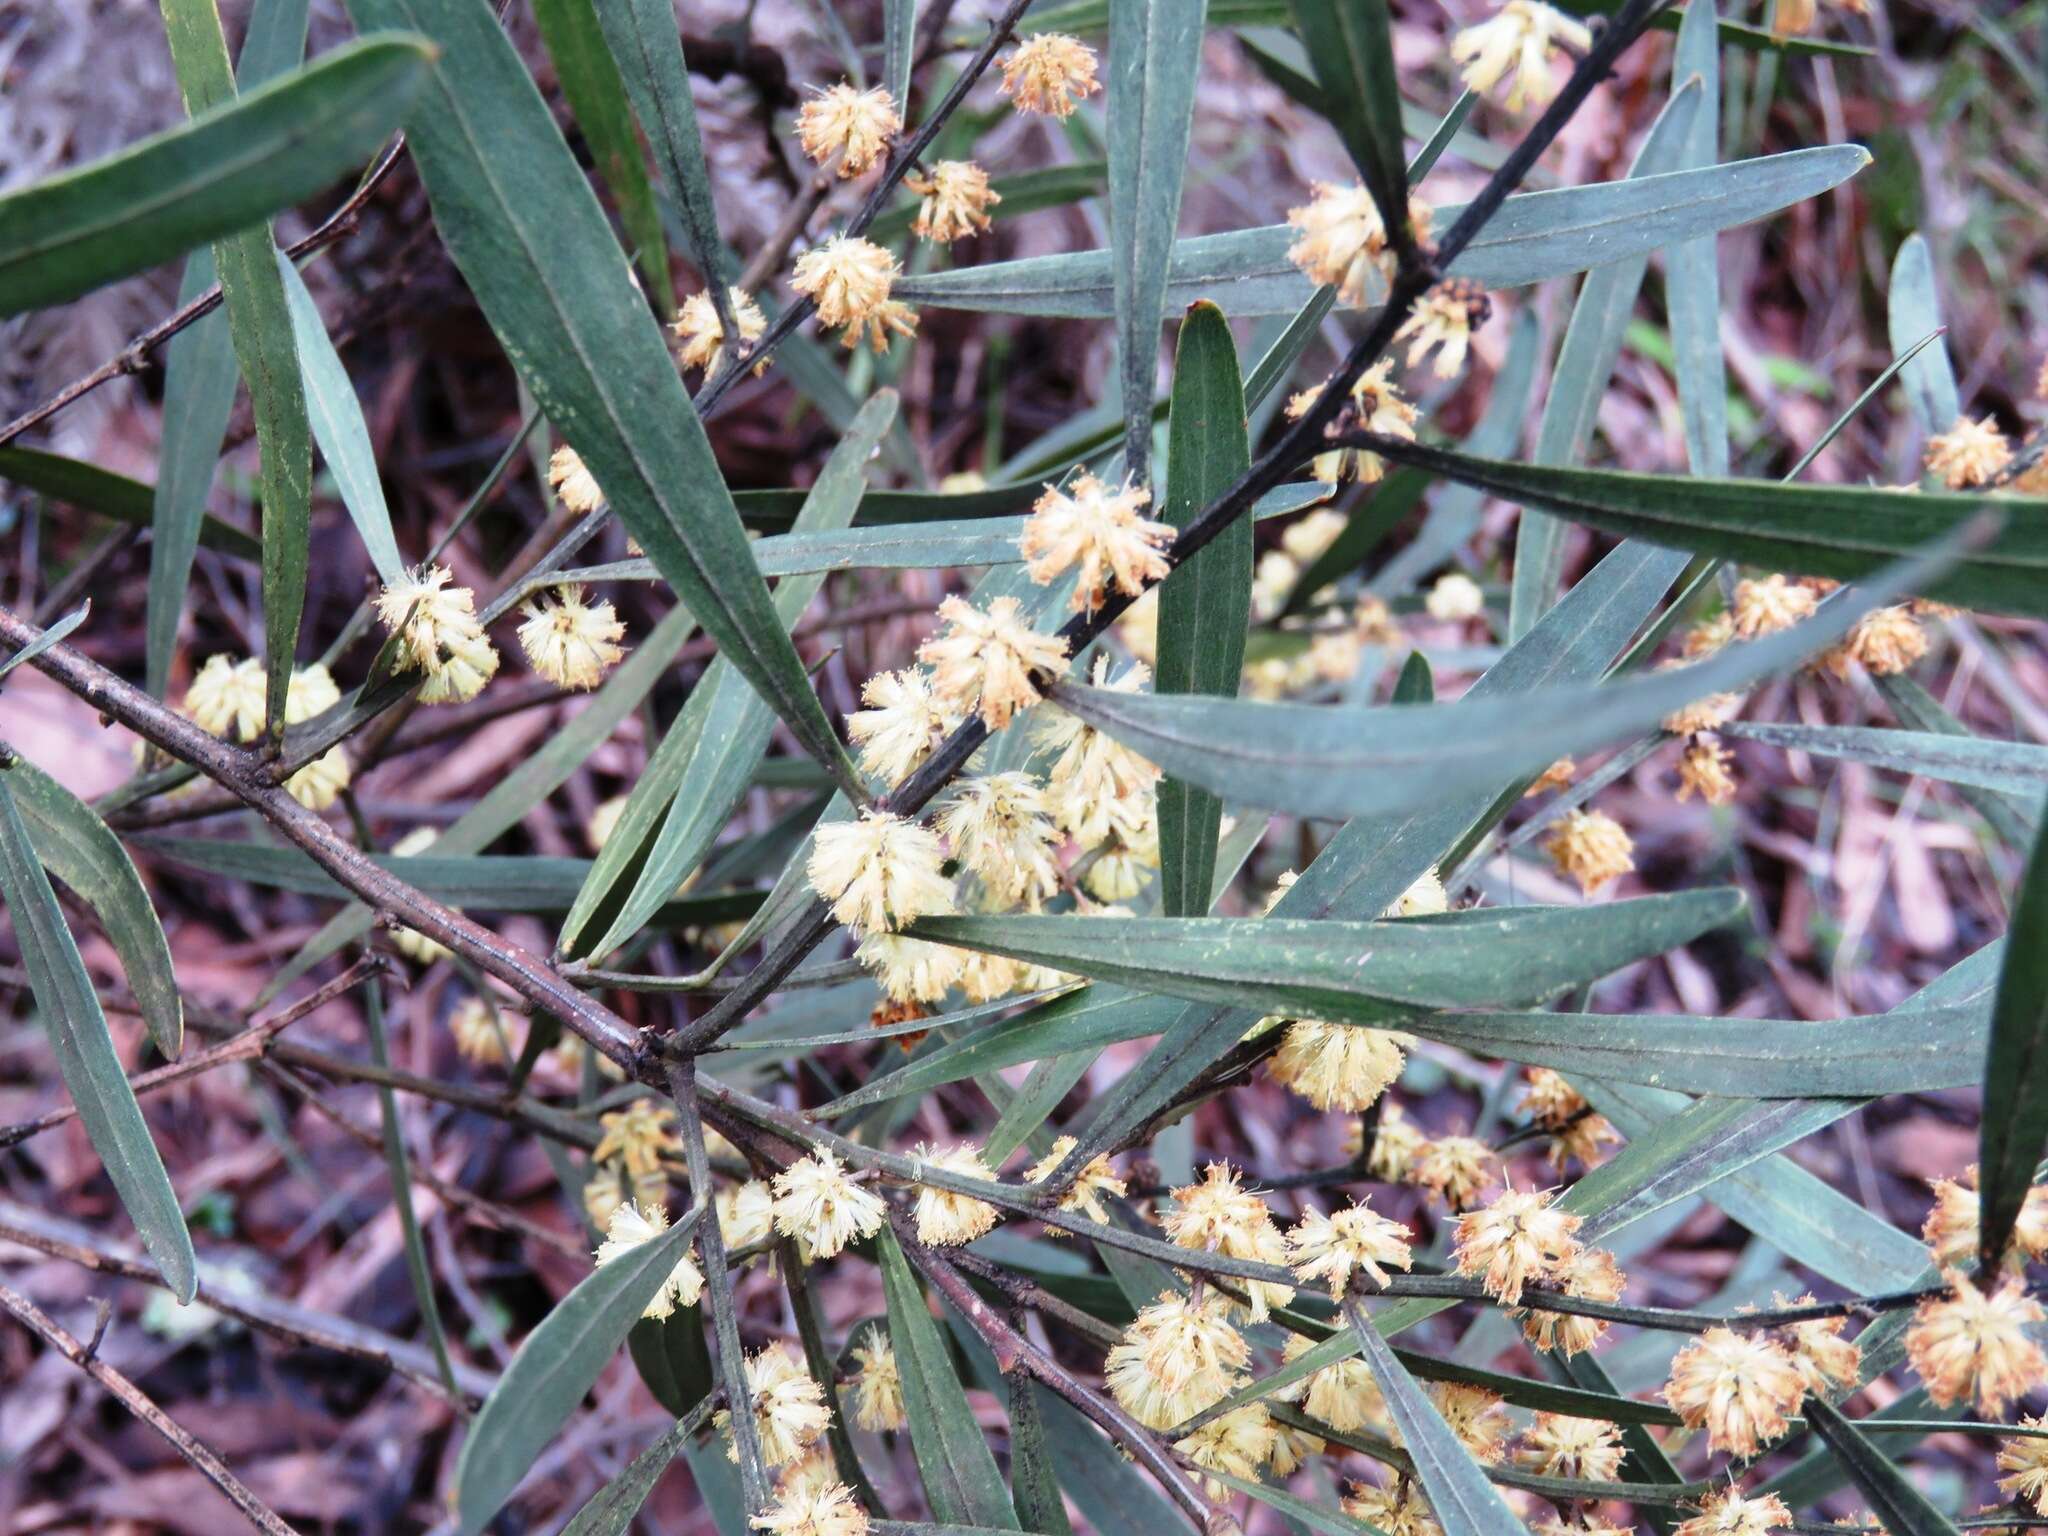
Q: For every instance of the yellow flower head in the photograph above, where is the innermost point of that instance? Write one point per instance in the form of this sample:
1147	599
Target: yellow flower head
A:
1342	240
1591	847
1097	531
823	1209
226	698
1975	1344
702	335
789	1407
478	1030
746	1214
1728	1513
1969	453
1518	38
849	277
877	1385
569	642
1707	714
640	1136
573	481
1218	1215
1238	1443
999	828
1399	1511
1444	319
631	1226
1455	598
1766	605
946	1219
1178	1357
1453	1168
984	659
311	694
1520	1237
830	1510
1093	773
1589	1274
848	127
1703	771
1086	1194
2026	1458
911	970
1885	641
438	633
1740	1387
1396	1143
1338	1066
1331	1248
1049	73
1342	1395
879	871
1558	1445
903	723
957	198
1827	1361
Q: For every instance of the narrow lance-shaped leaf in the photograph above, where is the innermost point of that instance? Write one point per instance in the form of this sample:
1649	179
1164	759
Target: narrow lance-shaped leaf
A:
2014	767
92	1072
199	383
339	428
552	1370
1693	295
79	849
1914	309
612	1508
1318	760
1205	604
961	1481
899	38
47	638
260	325
1585	362
1155	53
2015	1123
591	84
225	170
94	489
1902	1508
527	233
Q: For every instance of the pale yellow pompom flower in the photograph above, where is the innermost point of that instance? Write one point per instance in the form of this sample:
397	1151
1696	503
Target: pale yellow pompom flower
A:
1703	771
1884	642
879	871
311	694
1375	406
437	629
887	319
1478	1418
1741	1388
1454	598
573	482
789	1407
1085	1196
946	1218
1307	539
1728	1513
1969	453
416	946
1396	1143
1120	866
1342	1395
1444	319
1049	73
1517	38
1558	775
911	970
1092	771
1707	714
702	334
831	1510
1558	1445
903	723
1765	605
818	1205
957	198
1238	1443
1178	1357
1096	531
1343	1067
877	1384
632	1226
569	642
226	698
1587	1274
2026	1458
479	1032
849	278
1951	1230
1592	847
603	821
1552	1102
1827	1361
641	1135
1218	1215
984	658
1331	1248
1402	1512
1519	1238
1342	240
746	1214
849	128
1976	1345
1453	1168
999	828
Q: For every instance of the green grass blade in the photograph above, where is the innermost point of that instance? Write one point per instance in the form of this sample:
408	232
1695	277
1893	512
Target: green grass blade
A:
92	1072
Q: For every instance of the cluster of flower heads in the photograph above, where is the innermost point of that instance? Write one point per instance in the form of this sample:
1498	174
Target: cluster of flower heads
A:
227	698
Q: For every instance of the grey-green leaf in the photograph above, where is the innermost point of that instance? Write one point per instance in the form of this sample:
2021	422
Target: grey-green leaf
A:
92	1072
1902	1508
2015	1122
1914	309
338	426
77	847
525	229
2014	767
961	1481
225	170
1205	603
553	1369
1536	235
